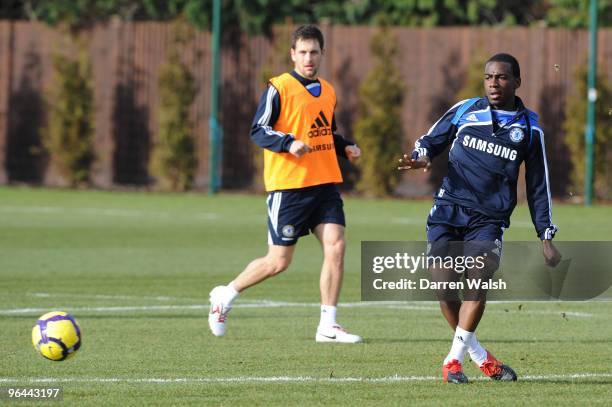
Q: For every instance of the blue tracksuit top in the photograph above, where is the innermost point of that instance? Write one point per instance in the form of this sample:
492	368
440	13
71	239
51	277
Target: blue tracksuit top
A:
487	149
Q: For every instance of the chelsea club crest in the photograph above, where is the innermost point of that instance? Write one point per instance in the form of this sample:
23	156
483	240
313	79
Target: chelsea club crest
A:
516	134
288	231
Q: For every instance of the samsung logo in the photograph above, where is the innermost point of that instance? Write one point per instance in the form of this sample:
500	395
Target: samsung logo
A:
490	148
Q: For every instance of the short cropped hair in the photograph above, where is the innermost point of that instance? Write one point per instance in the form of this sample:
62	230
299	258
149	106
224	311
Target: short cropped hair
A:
307	32
509	59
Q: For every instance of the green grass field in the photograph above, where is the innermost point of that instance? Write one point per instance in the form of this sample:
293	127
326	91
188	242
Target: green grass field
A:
136	269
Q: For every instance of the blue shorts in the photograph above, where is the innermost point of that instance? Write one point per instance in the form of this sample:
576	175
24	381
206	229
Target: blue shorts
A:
295	212
456	223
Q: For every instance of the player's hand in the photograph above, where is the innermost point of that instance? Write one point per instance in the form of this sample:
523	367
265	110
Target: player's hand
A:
299	148
407	163
552	256
352	152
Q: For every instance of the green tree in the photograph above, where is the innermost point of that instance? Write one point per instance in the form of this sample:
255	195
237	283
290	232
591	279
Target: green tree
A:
574	126
254	17
174	159
68	135
378	131
432	13
258	16
81	13
575	13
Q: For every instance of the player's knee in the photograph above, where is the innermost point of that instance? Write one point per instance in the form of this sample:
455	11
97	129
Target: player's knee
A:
335	247
278	264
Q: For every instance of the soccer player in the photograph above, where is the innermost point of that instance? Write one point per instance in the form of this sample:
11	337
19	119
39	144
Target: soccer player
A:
490	137
295	126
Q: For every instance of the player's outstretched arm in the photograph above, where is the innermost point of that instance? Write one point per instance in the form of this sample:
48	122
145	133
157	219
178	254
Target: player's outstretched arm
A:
408	163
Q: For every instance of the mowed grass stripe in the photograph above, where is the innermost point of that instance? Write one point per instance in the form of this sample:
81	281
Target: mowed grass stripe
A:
288	379
270	304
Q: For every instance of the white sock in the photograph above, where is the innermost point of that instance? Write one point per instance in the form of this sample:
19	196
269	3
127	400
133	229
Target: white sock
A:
328	316
460	345
477	353
229	294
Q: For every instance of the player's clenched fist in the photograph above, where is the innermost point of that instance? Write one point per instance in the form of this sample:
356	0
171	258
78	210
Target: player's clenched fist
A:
352	152
299	148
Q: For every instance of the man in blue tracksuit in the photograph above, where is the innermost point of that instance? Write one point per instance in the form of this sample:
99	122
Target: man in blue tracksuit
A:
490	137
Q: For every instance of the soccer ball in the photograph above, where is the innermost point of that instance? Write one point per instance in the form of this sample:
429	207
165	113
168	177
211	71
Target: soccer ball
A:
56	335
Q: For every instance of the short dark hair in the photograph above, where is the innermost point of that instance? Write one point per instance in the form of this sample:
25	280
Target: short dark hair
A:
307	32
509	59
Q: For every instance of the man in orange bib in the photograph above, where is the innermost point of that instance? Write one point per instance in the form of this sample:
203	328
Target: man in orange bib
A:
295	126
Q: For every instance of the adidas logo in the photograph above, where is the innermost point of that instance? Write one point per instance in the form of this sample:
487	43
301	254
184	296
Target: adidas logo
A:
320	127
472	118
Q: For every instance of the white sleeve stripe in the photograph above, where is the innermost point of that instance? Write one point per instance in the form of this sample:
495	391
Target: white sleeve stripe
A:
268	113
265	118
483	110
546	176
272	132
549	233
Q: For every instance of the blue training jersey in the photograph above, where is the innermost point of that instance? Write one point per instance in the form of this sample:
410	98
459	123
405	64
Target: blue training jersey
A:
487	149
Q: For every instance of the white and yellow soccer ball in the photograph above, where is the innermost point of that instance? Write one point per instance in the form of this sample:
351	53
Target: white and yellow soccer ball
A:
56	335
